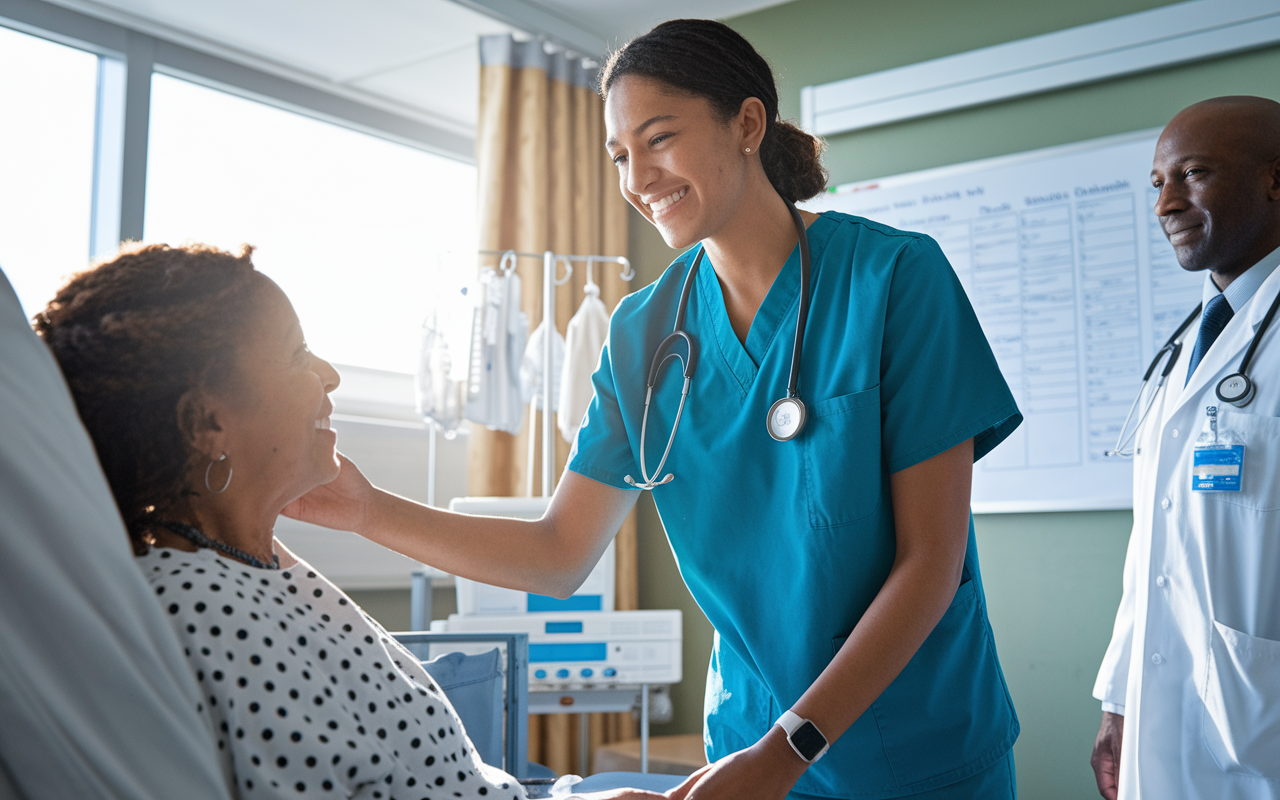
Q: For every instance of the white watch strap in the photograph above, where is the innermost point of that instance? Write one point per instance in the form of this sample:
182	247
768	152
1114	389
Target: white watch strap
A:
789	721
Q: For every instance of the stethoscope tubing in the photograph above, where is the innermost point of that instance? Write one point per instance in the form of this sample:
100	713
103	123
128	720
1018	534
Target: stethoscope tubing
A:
1262	328
1174	347
802	314
689	362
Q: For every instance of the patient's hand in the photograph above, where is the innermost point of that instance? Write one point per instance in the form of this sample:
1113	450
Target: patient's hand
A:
342	504
621	794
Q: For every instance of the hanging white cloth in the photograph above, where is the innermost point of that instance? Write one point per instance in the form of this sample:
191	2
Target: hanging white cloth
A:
532	375
532	371
498	335
437	393
584	340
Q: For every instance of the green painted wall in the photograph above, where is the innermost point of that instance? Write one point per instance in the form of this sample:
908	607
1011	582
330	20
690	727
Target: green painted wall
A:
1052	580
816	41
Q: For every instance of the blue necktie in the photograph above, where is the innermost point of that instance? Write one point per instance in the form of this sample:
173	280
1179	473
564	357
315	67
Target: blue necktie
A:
1217	313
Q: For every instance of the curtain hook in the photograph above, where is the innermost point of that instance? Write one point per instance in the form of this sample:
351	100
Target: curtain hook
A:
568	270
508	263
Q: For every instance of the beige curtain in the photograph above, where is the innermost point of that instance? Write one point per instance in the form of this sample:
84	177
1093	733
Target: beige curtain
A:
546	183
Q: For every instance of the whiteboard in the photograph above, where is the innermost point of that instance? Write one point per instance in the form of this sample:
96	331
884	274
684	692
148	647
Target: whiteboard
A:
1076	288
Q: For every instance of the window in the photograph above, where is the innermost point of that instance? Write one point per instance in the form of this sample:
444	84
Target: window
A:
48	97
352	227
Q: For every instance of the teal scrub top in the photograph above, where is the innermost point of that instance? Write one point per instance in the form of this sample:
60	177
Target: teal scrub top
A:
784	545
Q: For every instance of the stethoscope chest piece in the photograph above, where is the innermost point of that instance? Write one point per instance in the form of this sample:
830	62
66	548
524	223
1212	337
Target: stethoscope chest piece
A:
786	419
1235	389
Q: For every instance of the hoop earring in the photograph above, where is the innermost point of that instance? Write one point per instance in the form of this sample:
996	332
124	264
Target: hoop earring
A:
230	471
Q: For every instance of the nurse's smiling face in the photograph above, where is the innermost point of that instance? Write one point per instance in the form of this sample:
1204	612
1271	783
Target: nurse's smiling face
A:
679	164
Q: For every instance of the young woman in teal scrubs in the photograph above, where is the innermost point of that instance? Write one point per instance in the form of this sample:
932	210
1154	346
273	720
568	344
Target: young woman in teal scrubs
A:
839	568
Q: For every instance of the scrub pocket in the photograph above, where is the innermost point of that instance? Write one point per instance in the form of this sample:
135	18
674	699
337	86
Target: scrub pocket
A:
842	460
1241	725
949	707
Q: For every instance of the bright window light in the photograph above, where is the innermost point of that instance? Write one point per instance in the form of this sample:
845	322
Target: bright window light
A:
352	227
48	96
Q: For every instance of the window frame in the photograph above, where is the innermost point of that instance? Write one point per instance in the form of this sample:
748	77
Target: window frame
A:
127	58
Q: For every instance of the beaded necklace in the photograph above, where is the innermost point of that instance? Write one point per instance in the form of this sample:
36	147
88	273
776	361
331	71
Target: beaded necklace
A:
197	537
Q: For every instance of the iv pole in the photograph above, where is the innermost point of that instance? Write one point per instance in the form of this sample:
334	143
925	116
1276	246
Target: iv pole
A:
550	264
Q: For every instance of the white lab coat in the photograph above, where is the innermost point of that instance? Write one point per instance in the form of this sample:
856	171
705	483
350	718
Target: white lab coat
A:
1195	655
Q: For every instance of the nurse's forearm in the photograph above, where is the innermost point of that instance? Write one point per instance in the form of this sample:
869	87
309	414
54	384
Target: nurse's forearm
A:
494	550
551	556
931	518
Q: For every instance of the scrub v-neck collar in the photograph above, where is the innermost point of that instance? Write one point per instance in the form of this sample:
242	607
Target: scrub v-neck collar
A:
775	316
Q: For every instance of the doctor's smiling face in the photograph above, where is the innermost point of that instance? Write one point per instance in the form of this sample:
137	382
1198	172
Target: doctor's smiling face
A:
679	163
1217	168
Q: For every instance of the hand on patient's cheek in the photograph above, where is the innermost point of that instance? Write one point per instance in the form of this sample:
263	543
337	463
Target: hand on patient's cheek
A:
341	504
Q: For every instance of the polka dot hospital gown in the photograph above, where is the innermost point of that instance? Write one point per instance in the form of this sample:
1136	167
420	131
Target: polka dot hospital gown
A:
307	695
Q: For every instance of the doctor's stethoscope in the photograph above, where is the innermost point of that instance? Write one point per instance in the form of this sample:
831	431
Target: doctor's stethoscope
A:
1236	389
786	416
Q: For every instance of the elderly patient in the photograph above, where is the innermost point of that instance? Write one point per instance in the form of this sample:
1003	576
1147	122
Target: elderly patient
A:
209	415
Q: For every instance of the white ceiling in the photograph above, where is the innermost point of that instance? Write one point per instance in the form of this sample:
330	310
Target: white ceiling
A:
615	21
417	56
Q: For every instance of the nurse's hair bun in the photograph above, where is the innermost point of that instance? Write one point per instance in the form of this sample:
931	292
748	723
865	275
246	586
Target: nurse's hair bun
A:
709	59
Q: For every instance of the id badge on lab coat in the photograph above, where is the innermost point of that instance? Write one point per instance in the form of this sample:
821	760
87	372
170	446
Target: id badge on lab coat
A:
1217	460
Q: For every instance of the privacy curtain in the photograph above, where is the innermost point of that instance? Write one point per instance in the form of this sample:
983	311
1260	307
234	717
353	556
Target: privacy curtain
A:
546	183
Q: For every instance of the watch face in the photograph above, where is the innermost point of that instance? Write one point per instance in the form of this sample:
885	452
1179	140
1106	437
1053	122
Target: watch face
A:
809	741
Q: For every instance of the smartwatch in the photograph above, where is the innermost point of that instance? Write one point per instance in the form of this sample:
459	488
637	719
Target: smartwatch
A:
803	736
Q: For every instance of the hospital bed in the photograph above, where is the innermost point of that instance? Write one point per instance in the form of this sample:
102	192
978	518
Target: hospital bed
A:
490	692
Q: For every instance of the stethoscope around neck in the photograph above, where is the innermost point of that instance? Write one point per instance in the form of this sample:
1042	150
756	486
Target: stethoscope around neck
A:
786	416
1237	389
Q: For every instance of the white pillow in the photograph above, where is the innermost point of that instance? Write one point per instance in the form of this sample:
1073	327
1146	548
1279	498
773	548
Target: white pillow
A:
96	697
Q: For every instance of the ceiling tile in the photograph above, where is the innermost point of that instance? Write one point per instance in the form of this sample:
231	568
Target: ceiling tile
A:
418	53
619	20
338	40
447	84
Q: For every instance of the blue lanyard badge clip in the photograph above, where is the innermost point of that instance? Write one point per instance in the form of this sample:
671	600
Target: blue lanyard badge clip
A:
1217	460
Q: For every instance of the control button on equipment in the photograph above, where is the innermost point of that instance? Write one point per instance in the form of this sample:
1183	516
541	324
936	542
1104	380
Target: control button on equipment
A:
562	673
540	673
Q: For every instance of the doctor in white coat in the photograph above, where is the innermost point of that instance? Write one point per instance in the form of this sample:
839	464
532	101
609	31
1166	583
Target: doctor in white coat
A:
1190	685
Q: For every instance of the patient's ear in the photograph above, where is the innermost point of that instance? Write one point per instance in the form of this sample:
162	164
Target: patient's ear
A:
198	422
